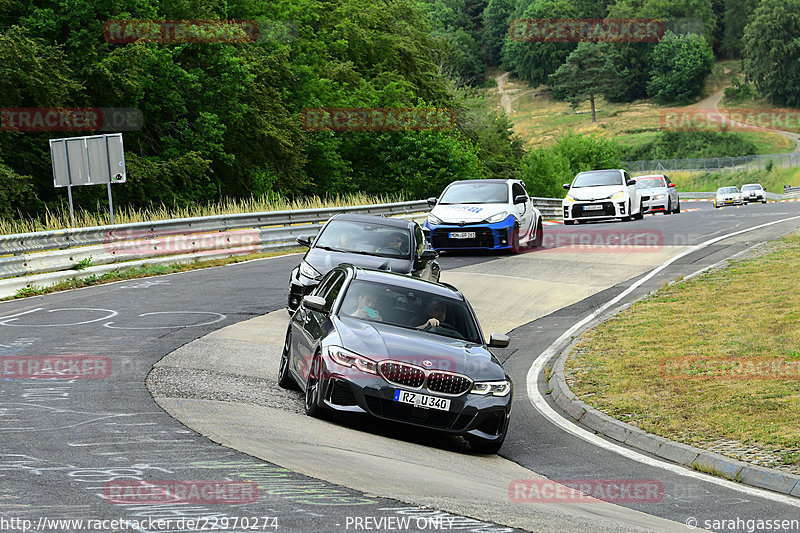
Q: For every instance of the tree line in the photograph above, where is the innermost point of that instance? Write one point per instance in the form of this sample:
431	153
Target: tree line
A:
223	119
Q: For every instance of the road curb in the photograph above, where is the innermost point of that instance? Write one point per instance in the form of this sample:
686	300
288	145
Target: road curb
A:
682	454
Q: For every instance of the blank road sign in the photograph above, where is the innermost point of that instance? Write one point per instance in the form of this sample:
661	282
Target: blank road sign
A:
92	160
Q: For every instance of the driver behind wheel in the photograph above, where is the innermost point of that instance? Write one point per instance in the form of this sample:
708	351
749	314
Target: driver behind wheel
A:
397	244
437	311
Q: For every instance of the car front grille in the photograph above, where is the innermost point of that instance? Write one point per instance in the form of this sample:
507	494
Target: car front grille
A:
414	377
448	383
607	211
402	374
440	238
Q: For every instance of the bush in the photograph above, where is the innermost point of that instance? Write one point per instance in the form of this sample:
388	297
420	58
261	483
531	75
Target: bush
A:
690	144
680	66
545	170
739	92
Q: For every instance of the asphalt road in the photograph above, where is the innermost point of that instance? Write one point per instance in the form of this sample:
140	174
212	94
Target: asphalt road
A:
64	441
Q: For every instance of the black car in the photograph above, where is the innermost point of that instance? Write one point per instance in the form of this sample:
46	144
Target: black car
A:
400	349
392	244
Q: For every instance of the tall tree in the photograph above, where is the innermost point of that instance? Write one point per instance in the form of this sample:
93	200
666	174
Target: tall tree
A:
737	14
590	71
680	66
772	51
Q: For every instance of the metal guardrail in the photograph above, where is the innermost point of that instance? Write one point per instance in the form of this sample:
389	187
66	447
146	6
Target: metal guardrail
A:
791	192
214	236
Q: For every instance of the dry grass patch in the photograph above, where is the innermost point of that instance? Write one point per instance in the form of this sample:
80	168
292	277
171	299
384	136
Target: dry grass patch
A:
747	312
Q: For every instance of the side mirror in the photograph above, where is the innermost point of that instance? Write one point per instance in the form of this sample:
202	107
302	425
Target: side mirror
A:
498	340
315	303
432	201
671	184
566	186
520	199
305	240
630	182
428	255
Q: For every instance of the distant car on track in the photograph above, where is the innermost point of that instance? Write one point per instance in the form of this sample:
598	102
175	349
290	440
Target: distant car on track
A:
400	349
658	193
601	194
486	214
728	196
754	192
394	244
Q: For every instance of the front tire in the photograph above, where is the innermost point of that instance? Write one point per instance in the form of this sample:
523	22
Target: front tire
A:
629	216
285	380
640	214
313	390
515	248
668	210
569	222
677	207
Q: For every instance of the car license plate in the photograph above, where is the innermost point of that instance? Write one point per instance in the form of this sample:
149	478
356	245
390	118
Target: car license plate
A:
592	207
421	400
462	235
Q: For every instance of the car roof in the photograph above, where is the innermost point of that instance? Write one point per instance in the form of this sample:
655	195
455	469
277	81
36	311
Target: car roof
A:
488	180
366	219
649	176
404	281
748	184
603	170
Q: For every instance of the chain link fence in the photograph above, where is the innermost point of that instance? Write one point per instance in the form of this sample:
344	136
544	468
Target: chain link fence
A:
715	164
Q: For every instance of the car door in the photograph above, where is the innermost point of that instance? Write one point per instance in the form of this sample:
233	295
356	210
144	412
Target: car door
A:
308	325
673	192
523	210
633	193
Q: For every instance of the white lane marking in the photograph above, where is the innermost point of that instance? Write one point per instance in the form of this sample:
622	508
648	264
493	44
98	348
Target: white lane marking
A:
5	320
219	318
539	403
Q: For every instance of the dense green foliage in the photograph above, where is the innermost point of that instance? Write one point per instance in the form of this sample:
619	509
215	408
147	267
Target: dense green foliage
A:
691	144
545	170
680	66
772	51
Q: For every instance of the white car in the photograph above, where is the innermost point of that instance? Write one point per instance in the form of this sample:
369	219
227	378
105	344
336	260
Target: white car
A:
658	193
488	214
754	192
602	194
728	196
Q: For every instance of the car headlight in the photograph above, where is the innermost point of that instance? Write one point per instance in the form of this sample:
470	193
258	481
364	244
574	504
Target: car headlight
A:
499	217
434	220
309	271
617	195
495	388
659	196
351	359
569	198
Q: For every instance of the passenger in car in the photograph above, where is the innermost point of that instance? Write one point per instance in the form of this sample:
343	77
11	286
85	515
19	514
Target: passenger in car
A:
366	305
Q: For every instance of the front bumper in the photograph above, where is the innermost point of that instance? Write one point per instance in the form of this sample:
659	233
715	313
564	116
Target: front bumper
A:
650	205
469	414
497	236
579	210
756	198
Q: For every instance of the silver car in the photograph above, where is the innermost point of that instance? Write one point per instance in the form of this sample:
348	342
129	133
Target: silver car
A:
728	196
754	192
659	194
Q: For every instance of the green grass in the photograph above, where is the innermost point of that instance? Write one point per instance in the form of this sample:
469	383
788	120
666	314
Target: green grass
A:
618	367
60	219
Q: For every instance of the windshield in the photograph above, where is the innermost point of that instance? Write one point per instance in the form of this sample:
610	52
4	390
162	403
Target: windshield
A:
398	306
751	187
475	193
370	239
650	183
597	179
727	190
